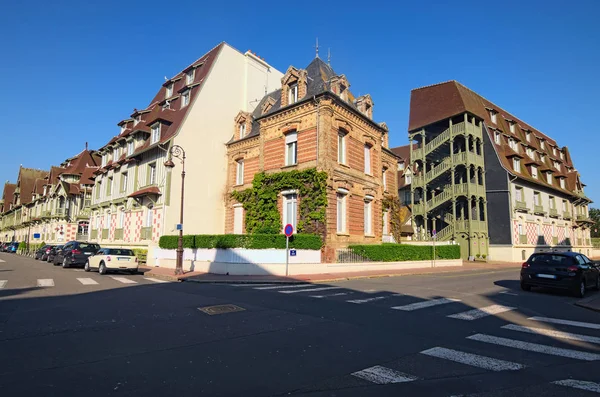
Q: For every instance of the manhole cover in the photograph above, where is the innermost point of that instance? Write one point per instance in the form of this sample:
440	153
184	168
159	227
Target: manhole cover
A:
221	309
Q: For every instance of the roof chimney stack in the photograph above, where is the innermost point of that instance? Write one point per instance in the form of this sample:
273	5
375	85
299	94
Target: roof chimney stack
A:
86	146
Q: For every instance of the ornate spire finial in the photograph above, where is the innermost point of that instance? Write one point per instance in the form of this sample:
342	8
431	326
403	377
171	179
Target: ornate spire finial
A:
329	56
317	48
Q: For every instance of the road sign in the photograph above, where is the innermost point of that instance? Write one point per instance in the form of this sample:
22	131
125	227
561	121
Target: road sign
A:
292	252
179	226
288	230
36	235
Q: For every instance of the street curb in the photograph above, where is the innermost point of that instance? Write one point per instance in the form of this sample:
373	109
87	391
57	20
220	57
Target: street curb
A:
585	303
249	282
164	277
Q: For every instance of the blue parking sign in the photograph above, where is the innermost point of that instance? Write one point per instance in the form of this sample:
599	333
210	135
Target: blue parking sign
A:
292	252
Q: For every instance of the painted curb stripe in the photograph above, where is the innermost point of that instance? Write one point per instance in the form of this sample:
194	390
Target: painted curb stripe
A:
473	360
382	375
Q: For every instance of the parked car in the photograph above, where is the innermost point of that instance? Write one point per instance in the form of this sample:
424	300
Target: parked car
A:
75	253
52	254
13	247
3	247
111	259
42	253
565	270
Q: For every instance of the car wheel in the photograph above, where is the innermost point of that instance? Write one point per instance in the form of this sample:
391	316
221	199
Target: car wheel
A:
64	263
580	292
525	287
87	266
55	263
102	269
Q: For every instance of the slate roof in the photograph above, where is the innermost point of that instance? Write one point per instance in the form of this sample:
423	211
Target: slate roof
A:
404	153
76	165
437	102
7	196
26	183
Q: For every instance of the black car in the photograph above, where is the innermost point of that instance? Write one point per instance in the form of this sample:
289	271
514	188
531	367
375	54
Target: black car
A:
42	253
565	270
76	253
52	254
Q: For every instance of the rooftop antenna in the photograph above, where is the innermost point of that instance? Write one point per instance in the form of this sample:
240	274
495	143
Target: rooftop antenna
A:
329	56
317	48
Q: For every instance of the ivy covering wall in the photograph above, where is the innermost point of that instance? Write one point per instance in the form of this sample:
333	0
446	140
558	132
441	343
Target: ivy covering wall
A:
391	204
260	201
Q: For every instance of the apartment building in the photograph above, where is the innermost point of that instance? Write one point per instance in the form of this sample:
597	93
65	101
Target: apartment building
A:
489	181
52	204
313	121
135	198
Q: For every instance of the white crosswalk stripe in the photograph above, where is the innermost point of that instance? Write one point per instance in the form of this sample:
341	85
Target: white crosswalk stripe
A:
308	290
553	334
482	312
375	298
123	280
473	360
327	296
285	286
45	282
2	261
155	280
3	283
382	375
248	285
535	347
565	322
425	304
579	384
87	281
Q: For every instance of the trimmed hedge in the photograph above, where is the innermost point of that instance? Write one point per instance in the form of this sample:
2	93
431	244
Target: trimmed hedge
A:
405	252
249	241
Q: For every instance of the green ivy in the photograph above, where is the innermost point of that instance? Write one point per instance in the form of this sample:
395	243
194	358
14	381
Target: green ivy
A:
391	204
260	201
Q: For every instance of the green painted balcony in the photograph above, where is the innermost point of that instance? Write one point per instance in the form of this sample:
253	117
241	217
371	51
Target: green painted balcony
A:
553	212
566	215
146	233
59	212
582	217
94	234
521	206
84	213
118	234
538	209
522	239
554	240
46	214
104	234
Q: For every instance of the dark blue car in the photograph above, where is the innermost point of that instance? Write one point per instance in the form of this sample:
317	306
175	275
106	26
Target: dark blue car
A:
12	247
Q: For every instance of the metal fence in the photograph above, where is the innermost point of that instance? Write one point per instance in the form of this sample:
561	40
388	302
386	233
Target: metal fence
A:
346	255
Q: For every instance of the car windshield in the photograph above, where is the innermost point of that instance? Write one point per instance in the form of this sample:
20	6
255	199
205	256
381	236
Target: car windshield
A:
115	251
89	247
551	260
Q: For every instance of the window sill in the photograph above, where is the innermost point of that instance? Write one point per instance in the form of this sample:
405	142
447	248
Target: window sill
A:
343	165
343	234
289	166
369	236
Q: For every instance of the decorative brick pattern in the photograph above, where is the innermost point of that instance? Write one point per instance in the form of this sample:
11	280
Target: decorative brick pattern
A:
127	228
138	223
156	225
113	226
274	154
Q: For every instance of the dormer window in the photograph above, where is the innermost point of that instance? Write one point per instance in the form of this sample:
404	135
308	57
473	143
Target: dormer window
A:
549	178
516	164
166	105
293	93
530	152
534	171
122	128
130	148
497	137
513	144
562	155
528	136
512	127
557	165
493	117
242	129
137	119
116	153
104	159
554	151
562	183
542	144
169	91
185	98
189	77
155	133
543	157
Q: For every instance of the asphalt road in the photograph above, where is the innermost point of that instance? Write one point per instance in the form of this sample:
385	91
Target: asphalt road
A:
65	332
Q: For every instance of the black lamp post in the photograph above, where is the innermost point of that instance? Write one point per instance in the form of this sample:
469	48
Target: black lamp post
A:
177	152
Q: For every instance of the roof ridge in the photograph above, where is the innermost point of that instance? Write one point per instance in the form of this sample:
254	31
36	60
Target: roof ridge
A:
433	85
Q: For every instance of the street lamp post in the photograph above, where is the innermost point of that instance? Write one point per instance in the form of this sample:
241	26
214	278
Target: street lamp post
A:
177	152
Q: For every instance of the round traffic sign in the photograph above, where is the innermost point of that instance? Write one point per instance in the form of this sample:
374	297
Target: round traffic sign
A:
288	229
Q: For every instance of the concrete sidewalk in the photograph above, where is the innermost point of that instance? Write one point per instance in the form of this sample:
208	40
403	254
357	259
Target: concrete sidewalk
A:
167	274
592	302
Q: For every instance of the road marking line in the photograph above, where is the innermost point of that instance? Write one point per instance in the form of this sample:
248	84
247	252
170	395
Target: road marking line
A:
123	280
382	375
579	384
87	281
3	283
286	286
565	322
248	285
425	304
327	296
155	280
45	282
375	298
552	333
535	347
482	312
473	360
2	261
509	293
308	290
77	270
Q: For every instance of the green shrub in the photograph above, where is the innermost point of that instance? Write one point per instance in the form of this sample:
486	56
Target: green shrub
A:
404	252
249	241
141	254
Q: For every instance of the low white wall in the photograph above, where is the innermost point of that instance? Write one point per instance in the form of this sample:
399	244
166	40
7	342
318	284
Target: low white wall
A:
243	262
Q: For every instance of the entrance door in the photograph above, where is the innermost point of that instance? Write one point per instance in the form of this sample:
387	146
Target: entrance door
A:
238	218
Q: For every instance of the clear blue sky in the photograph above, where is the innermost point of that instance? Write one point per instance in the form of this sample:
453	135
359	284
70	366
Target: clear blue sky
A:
70	70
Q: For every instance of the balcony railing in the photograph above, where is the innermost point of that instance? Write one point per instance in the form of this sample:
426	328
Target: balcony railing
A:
84	213
521	206
538	209
104	234
81	237
553	212
554	240
522	239
582	217
59	212
146	233
94	234
118	234
567	215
